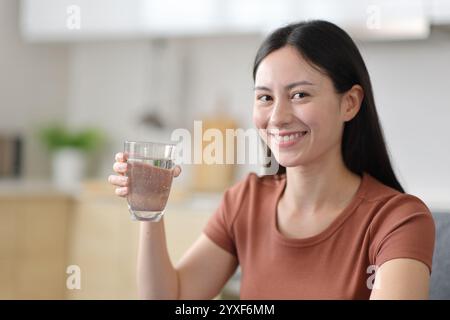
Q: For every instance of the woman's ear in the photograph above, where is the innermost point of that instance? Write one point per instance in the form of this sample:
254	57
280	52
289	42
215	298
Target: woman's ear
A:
351	102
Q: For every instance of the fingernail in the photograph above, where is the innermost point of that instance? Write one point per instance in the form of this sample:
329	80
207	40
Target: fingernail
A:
120	190
122	166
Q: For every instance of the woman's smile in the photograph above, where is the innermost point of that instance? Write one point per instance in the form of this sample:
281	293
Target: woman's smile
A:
286	139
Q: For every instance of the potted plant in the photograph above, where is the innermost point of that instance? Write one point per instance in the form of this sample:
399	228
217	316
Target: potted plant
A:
69	149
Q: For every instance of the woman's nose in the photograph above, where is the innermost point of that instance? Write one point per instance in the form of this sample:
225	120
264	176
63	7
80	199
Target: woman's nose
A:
281	114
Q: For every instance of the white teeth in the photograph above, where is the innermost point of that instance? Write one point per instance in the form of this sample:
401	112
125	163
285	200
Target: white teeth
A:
287	138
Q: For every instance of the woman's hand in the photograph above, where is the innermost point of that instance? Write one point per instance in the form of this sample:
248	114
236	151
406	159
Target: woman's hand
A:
121	180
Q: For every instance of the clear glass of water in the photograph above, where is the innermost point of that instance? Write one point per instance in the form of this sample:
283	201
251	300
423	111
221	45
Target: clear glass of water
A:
150	175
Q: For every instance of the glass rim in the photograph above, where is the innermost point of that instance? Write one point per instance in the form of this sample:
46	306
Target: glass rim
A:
172	144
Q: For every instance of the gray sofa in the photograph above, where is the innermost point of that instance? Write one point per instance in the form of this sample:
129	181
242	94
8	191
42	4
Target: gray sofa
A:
440	276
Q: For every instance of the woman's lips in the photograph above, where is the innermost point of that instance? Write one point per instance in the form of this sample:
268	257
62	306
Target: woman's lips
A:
287	139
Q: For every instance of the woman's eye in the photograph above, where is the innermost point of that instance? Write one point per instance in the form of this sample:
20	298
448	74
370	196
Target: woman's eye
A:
264	98
300	95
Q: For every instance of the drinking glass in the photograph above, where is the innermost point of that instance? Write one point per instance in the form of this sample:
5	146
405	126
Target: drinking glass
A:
150	175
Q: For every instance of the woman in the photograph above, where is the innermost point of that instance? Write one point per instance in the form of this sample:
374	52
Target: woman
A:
334	223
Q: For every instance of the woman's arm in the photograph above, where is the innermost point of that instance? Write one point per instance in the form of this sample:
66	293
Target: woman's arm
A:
401	279
200	274
204	269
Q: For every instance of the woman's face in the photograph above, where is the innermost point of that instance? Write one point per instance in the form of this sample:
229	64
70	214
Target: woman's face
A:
299	108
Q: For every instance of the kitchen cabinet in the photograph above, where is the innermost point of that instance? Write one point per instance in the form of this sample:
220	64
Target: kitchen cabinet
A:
33	238
81	20
67	20
44	232
103	241
75	20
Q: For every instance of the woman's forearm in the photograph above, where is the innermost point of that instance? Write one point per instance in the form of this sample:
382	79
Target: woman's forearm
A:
156	276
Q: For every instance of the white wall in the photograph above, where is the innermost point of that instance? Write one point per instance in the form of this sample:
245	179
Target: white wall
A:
220	81
110	84
107	90
33	87
113	83
411	85
222	68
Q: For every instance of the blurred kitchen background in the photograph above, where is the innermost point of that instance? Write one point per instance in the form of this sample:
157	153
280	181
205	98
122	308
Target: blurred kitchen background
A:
92	73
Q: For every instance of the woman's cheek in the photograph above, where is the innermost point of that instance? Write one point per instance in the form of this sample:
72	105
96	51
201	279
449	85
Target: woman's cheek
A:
307	118
323	132
259	118
260	121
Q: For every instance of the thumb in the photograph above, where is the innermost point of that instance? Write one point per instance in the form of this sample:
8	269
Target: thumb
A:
176	171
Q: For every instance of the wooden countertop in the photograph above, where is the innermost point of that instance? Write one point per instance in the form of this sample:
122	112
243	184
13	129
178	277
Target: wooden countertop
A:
99	190
14	188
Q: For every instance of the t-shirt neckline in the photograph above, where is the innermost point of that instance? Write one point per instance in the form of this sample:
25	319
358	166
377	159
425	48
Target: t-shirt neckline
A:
330	230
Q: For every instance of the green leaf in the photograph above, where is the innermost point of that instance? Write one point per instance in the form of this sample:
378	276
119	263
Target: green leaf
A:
56	137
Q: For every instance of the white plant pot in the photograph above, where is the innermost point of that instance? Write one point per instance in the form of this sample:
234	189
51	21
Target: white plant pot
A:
68	169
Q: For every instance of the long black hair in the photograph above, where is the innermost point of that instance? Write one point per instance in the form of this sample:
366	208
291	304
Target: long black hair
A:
331	50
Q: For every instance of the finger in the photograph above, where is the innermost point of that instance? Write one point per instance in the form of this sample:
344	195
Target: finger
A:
120	181
122	191
120	167
121	156
176	171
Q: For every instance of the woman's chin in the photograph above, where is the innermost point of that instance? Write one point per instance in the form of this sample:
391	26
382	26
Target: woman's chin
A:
288	163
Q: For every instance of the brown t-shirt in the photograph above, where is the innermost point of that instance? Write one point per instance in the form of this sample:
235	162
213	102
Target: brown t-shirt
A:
379	224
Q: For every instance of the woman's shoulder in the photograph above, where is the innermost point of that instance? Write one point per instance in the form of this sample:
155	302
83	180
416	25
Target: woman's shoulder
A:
383	196
401	224
392	211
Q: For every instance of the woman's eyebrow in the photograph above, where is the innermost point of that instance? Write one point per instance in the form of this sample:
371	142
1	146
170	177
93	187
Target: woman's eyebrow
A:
287	87
298	83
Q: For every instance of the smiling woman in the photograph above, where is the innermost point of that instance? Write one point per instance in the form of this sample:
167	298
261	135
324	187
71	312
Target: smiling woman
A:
335	218
326	53
335	223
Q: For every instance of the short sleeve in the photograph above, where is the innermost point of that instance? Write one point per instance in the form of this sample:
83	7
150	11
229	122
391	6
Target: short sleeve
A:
219	226
405	229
